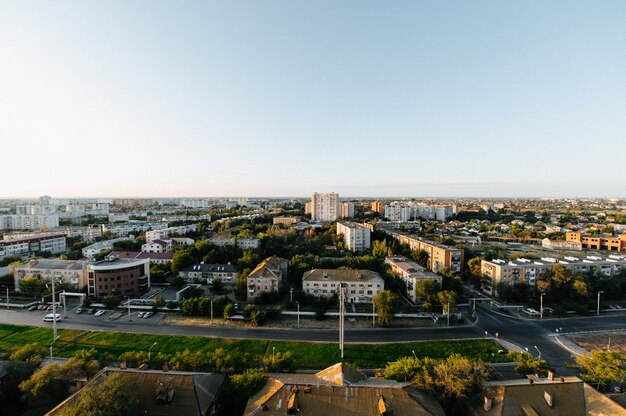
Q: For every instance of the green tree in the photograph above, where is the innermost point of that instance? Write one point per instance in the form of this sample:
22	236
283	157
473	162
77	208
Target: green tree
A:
385	302
229	310
427	289
407	368
116	395
447	298
602	367
527	363
181	260
30	353
380	249
421	257
279	362
51	381
31	286
474	266
158	302
111	301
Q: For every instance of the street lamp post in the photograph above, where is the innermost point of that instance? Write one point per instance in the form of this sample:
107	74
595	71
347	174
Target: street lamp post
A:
54	315
7	297
291	295
599	293
298	303
538	352
150	351
128	303
541	305
448	312
373	314
211	309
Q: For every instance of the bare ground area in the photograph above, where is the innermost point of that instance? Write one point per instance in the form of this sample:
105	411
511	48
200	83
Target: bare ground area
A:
600	340
288	322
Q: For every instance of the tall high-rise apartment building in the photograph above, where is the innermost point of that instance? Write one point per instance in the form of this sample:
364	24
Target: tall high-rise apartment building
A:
355	236
346	210
324	207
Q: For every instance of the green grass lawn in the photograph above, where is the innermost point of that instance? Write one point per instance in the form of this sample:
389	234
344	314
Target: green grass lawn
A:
307	355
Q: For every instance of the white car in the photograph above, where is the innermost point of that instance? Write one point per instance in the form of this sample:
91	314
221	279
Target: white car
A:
100	312
50	317
140	314
148	314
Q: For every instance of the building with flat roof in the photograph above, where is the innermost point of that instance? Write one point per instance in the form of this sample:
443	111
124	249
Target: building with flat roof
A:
205	273
324	207
122	277
356	237
28	244
165	233
242	243
94	249
411	273
133	227
346	210
155	258
161	393
598	242
528	271
267	276
72	272
29	222
166	245
439	255
360	285
286	221
339	390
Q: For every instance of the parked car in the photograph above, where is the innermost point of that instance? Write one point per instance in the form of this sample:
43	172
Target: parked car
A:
100	312
79	310
50	317
41	307
91	311
148	314
140	314
33	308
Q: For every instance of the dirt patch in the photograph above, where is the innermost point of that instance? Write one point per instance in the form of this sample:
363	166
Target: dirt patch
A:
600	341
288	322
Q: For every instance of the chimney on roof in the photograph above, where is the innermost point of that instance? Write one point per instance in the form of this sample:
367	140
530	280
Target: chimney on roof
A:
551	374
531	380
488	402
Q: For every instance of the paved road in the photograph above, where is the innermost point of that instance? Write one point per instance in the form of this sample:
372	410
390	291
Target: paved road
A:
521	332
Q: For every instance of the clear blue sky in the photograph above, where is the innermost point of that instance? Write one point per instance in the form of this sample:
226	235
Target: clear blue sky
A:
272	98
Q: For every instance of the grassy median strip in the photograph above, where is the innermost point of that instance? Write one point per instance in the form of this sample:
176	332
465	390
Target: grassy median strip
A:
307	355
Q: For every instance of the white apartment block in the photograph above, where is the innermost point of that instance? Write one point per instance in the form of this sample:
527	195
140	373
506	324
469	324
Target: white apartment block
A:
96	248
324	207
28	222
355	236
528	271
195	203
26	245
359	285
133	227
398	212
242	243
411	273
35	209
161	234
165	245
205	273
119	217
346	210
73	272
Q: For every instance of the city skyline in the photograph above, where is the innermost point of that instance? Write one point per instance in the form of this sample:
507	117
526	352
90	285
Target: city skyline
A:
488	99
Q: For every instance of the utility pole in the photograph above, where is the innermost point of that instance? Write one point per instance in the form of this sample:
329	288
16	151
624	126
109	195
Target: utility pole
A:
298	313
211	309
373	314
54	314
599	293
7	297
541	305
342	312
448	312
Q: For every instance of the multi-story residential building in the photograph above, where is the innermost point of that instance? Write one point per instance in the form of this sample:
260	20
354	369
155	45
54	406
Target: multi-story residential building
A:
355	236
118	276
35	209
156	258
167	245
29	222
205	273
378	206
411	273
27	245
133	227
398	212
439	255
597	242
195	203
72	272
96	248
324	207
286	221
164	233
242	243
561	245
360	285
528	271
433	212
88	233
346	210
266	276
118	217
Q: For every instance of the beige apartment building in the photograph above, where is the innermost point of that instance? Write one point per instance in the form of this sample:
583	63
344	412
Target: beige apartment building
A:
324	207
378	206
597	242
72	272
411	273
439	255
286	221
355	236
360	285
267	276
528	271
